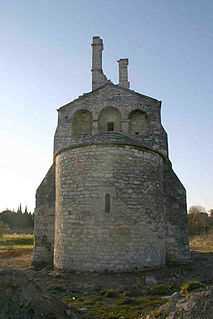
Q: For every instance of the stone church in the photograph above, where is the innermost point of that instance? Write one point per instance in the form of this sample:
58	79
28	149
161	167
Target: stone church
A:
111	200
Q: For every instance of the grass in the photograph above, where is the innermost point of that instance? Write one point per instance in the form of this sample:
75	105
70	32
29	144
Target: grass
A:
158	290
191	285
111	304
16	240
202	244
15	245
203	251
14	252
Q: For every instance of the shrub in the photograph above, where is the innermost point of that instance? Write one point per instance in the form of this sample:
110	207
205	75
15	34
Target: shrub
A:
191	285
3	228
158	289
17	239
109	293
98	287
199	224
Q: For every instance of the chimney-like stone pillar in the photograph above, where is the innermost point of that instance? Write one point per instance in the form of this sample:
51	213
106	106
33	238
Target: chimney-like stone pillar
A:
98	77
123	73
97	48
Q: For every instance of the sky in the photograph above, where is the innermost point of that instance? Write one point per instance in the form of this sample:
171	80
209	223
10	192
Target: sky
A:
45	62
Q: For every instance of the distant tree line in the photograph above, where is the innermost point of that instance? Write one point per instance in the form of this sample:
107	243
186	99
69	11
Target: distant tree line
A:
199	222
4	229
17	219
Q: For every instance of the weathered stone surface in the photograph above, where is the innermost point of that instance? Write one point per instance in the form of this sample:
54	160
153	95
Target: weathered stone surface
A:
123	73
176	230
195	305
21	298
98	77
122	102
44	221
111	200
131	235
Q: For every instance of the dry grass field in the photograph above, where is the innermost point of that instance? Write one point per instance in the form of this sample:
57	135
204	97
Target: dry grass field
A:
202	244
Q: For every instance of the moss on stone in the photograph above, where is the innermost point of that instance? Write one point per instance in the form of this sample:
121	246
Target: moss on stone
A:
191	285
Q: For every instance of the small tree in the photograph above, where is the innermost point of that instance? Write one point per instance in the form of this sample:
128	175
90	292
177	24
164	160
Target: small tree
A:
197	209
211	212
4	228
199	224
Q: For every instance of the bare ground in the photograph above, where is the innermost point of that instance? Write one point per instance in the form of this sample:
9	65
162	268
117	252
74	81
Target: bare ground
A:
201	269
17	259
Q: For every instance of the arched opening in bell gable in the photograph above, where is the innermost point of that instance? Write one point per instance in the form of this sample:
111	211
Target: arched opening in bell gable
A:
109	120
138	123
82	123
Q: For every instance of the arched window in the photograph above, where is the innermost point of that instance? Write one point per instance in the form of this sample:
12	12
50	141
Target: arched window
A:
138	123
107	203
82	123
109	120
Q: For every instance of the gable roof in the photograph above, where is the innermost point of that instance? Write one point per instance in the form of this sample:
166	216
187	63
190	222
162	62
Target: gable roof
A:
84	95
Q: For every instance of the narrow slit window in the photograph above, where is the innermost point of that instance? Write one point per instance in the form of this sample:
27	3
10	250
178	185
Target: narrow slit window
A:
110	126
107	203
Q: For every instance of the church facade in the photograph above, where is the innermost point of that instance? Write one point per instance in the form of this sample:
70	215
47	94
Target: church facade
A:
111	200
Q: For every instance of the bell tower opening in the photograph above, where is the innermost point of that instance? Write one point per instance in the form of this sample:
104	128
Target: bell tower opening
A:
110	126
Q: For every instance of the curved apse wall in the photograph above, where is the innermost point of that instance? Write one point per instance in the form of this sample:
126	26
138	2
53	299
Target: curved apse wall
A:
130	235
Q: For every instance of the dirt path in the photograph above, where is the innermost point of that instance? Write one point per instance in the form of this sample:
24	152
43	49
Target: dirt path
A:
21	262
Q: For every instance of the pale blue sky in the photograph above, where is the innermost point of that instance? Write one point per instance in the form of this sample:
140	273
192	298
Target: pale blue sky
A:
45	62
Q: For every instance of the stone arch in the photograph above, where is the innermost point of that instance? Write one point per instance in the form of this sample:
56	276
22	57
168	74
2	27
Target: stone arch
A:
109	120
138	123
82	123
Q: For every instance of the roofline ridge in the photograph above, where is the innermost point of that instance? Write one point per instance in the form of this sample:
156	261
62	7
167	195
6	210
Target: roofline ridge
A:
101	87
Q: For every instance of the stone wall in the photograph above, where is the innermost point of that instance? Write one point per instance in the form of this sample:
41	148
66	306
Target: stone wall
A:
123	73
98	77
138	123
44	221
131	235
124	101
109	115
175	212
82	123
